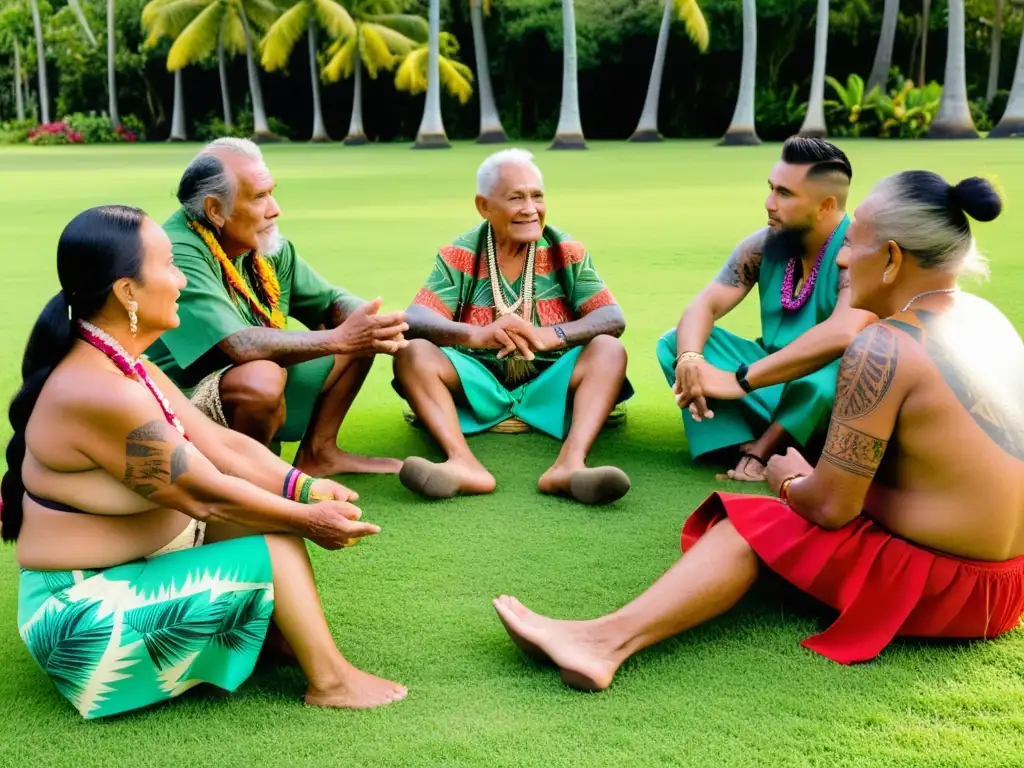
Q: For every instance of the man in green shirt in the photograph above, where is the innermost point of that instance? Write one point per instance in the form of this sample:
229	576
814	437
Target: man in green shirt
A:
758	397
231	352
513	325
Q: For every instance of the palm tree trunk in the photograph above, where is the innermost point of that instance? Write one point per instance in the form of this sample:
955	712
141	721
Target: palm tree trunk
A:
115	116
491	130
431	134
44	90
953	120
178	132
319	129
18	96
742	130
569	133
926	20
879	76
647	128
814	120
225	96
356	134
261	131
1012	122
80	15
996	55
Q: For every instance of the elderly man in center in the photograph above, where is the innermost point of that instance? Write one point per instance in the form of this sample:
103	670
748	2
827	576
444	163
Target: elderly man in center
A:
513	322
231	353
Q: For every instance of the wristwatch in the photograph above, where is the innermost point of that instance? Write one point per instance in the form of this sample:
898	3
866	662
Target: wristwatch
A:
741	377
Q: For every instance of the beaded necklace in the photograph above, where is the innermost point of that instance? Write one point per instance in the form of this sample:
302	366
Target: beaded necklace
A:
788	301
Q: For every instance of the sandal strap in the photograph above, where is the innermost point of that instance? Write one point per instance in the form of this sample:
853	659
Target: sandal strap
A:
756	458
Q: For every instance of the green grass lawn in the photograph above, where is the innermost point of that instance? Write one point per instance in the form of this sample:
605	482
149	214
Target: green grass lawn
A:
413	603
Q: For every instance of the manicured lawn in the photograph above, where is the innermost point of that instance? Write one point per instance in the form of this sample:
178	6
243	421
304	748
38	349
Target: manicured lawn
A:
413	603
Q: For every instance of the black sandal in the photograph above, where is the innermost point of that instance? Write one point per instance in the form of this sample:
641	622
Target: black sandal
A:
758	459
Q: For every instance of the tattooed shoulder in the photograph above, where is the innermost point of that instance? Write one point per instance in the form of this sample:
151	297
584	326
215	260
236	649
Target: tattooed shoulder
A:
743	268
866	372
152	462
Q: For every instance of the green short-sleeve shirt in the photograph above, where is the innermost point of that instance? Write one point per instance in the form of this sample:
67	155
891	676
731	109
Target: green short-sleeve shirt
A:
210	312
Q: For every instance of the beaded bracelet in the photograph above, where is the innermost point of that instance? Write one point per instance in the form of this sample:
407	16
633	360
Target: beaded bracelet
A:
784	489
689	356
306	488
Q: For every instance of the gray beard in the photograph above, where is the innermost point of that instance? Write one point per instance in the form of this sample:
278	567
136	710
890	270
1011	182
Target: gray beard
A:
273	243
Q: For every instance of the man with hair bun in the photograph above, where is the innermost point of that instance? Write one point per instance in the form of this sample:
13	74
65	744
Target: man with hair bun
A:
232	353
756	397
513	325
911	523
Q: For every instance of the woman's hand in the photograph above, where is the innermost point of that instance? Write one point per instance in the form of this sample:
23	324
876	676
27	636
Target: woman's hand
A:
327	490
335	524
785	466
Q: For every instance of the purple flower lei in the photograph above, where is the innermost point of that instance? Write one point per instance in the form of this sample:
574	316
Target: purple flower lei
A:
788	302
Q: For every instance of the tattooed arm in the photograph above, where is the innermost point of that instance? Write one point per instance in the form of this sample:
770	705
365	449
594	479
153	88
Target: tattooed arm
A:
721	296
126	435
873	383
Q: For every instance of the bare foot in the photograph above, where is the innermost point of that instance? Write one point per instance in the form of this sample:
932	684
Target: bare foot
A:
600	485
338	462
442	481
570	645
356	690
749	469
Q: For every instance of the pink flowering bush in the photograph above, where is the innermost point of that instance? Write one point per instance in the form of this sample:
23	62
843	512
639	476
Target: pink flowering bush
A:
54	133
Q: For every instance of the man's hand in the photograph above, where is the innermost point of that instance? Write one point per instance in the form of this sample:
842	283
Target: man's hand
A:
508	334
327	490
785	466
689	389
364	332
335	524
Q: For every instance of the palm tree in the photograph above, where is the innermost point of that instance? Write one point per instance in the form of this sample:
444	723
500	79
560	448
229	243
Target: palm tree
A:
229	22
1012	122
995	58
814	120
883	54
926	22
431	134
44	90
13	25
115	116
178	132
697	30
282	36
167	18
76	8
491	130
382	38
569	133
953	120
741	130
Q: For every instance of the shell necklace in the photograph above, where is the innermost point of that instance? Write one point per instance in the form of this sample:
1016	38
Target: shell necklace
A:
927	293
525	300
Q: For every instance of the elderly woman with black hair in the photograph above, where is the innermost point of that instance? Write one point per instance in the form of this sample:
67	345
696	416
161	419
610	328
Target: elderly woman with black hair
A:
911	523
156	547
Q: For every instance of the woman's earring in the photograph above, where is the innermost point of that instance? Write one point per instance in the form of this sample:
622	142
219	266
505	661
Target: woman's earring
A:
133	317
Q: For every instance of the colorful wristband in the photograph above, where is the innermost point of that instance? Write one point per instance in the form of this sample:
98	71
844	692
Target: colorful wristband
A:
289	483
307	487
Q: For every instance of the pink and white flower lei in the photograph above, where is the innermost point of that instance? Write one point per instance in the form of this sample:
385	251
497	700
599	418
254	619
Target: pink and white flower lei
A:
130	367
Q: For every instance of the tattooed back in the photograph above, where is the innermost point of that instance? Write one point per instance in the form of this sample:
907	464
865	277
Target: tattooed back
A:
952	476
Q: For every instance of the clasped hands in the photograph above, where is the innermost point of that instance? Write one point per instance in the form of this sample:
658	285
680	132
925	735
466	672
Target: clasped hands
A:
512	333
365	332
333	520
697	381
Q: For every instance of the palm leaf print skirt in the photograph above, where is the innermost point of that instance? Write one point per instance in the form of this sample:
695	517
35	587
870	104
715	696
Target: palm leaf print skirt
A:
137	634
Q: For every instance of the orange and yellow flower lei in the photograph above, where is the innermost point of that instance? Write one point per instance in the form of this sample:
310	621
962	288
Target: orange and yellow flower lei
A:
264	271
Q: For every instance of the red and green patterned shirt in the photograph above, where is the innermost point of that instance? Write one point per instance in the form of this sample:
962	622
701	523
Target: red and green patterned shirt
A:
566	286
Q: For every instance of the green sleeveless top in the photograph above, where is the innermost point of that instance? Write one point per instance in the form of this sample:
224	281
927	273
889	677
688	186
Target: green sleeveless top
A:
780	326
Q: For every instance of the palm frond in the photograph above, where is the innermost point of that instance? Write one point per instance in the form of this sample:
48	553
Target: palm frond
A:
457	79
412	73
696	25
334	18
374	51
167	18
173	629
261	13
397	43
413	27
341	60
69	643
280	40
232	34
245	622
198	39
